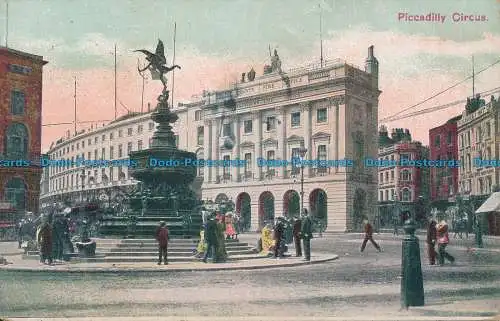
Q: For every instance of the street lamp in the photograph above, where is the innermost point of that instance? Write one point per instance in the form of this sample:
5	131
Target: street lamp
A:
82	176
302	152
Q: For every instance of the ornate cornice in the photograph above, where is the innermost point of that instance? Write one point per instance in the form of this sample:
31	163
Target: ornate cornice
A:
295	138
270	142
305	106
320	135
247	144
337	100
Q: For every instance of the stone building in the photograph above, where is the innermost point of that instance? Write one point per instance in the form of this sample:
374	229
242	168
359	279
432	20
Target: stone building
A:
400	187
20	128
331	110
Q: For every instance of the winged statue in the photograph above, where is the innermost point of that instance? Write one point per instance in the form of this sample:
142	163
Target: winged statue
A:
157	63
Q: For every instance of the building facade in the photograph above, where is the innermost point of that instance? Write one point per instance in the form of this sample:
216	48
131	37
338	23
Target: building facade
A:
330	110
399	187
443	144
20	128
478	140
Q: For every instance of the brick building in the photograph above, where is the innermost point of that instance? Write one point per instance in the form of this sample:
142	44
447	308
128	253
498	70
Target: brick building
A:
400	188
20	128
443	144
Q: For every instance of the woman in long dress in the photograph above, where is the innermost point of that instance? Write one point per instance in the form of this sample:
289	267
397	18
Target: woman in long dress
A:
230	232
220	251
202	244
267	240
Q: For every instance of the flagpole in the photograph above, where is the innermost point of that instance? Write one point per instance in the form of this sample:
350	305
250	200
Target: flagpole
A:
75	106
173	64
7	24
116	111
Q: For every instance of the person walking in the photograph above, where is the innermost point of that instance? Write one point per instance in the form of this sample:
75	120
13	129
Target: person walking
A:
210	238
431	241
443	241
162	237
297	225
369	237
306	234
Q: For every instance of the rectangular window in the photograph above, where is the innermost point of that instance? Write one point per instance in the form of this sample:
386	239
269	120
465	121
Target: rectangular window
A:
248	126
270	123
226	130
129	147
17	102
111	152
89	142
295	154
248	165
129	131
151	126
226	167
139	145
295	119
321	115
96	155
96	140
103	138
139	129
120	133
77	146
449	138
120	151
270	157
200	135
89	155
197	115
437	141
103	153
111	136
322	156
111	174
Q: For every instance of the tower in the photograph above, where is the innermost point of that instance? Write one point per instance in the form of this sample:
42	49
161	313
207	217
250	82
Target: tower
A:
371	66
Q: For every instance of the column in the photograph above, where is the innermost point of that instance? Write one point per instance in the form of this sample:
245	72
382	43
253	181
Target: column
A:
306	110
281	134
333	153
215	147
236	170
258	145
207	150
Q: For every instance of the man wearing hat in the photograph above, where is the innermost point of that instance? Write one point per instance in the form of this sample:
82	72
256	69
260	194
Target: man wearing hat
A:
162	238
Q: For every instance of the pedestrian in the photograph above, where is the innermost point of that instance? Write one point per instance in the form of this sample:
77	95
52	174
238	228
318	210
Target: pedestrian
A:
20	230
395	222
431	241
369	237
306	233
210	238
443	241
45	240
279	230
229	228
220	250
297	225
162	237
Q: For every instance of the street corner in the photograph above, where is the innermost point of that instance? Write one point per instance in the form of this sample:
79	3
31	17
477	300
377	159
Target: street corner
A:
262	263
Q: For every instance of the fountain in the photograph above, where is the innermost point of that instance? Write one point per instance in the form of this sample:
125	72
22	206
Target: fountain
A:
165	174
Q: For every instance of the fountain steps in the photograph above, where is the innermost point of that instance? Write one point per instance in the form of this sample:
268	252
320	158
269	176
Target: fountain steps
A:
146	250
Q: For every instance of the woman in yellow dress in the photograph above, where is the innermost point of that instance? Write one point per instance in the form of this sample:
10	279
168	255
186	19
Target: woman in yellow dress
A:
202	244
267	240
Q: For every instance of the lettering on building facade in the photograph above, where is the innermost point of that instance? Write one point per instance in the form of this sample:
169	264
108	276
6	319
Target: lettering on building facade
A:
18	69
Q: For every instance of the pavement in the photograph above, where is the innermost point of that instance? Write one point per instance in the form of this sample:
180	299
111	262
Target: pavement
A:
357	286
179	318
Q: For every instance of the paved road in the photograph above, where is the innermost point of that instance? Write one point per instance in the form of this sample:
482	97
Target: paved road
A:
358	283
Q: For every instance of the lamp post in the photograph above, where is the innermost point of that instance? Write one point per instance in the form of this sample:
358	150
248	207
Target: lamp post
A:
302	153
82	176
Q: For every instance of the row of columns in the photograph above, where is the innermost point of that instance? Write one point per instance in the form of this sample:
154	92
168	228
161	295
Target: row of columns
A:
212	141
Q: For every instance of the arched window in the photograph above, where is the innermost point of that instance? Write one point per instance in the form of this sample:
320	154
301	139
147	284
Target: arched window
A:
406	195
405	175
16	141
15	192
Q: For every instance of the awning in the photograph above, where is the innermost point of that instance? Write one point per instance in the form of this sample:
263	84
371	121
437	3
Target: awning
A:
492	204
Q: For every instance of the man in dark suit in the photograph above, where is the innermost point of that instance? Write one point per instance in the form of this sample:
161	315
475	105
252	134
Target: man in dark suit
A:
306	233
297	226
369	237
211	238
279	230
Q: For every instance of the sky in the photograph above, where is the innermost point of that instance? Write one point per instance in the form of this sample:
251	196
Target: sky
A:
217	40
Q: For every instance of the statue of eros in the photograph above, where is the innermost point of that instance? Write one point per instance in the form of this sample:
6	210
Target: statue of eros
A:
157	64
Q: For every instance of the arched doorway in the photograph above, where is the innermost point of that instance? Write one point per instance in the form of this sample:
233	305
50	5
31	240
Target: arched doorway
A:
15	193
291	204
359	206
318	203
244	207
266	208
221	198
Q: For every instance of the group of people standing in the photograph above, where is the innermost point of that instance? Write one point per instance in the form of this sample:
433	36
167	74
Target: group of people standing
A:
213	237
438	234
274	238
53	237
